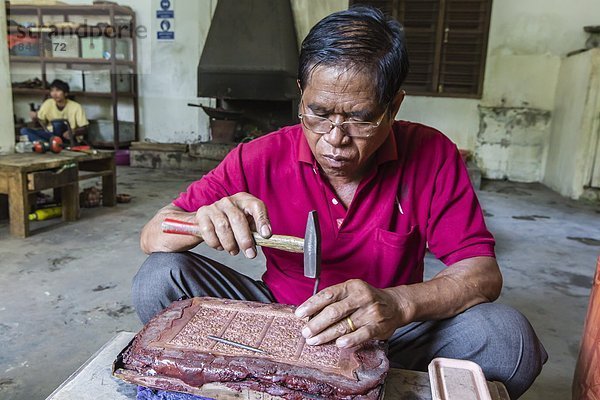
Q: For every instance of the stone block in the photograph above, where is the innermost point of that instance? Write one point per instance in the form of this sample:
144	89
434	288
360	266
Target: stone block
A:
511	142
211	151
170	160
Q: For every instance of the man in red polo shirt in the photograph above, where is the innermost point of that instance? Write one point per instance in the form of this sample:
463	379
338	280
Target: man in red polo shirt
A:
384	190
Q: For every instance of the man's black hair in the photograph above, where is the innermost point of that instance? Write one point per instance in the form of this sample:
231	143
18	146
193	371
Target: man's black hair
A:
361	39
60	85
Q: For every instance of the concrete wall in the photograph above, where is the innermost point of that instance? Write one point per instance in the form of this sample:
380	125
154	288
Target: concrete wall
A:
309	12
576	125
7	128
527	41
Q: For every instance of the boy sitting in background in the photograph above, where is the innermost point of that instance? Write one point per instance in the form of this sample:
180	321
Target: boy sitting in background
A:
59	115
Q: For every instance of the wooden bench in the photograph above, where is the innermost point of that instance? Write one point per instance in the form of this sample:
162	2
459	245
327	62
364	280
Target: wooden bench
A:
93	380
24	174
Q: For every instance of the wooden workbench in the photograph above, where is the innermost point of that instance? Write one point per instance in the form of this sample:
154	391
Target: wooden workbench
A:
24	174
94	381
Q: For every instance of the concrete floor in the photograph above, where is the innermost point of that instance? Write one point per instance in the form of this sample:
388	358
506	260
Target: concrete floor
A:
65	291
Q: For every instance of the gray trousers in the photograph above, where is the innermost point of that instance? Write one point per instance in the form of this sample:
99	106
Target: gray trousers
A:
495	336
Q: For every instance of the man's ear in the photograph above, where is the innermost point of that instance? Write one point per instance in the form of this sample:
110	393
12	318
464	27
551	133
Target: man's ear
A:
397	102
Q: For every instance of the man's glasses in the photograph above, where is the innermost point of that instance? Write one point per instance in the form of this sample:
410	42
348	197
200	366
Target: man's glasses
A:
322	125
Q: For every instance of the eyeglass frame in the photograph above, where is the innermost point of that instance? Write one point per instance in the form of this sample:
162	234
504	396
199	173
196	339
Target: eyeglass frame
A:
373	125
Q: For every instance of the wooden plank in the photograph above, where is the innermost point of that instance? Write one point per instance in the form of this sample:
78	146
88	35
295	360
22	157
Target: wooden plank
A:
28	162
70	201
159	146
48	179
4	182
109	185
83	177
18	204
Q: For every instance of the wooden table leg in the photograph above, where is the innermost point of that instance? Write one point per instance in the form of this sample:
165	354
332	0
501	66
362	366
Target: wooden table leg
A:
18	204
70	202
109	184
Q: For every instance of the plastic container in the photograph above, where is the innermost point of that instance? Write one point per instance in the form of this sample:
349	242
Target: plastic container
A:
122	157
100	47
98	80
101	132
24	145
74	77
66	46
22	45
45	213
457	380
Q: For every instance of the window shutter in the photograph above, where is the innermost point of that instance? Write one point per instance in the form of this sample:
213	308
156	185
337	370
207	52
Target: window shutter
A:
446	42
421	20
464	46
387	6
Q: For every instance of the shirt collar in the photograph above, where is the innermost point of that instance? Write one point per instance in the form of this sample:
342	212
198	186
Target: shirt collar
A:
387	152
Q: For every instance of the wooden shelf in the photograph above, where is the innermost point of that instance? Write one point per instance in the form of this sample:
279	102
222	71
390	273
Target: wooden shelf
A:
69	60
42	92
70	10
82	31
120	23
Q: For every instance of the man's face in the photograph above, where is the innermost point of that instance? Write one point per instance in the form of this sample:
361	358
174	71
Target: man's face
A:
342	95
57	94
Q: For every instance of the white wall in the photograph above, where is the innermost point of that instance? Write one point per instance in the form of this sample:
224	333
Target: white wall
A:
527	41
308	12
168	76
7	128
575	129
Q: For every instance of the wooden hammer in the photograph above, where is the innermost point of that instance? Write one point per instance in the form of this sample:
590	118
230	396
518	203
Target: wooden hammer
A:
310	245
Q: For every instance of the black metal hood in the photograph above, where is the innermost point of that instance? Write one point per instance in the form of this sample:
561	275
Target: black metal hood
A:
251	52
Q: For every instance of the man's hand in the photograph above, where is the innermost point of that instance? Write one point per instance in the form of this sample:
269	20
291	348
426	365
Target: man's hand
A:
227	224
224	225
377	313
374	314
153	239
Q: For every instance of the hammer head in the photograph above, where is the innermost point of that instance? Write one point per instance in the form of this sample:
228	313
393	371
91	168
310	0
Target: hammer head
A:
312	247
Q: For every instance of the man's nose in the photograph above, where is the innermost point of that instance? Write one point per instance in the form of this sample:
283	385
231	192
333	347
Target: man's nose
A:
336	137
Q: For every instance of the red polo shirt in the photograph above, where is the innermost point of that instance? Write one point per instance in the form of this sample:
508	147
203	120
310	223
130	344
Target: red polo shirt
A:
418	194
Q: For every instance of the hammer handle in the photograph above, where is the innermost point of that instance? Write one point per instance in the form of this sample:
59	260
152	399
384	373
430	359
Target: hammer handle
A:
281	242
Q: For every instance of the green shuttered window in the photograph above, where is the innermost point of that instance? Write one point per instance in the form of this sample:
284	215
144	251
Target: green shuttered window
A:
446	42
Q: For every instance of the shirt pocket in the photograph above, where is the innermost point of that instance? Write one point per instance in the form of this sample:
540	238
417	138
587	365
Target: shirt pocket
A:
398	257
397	240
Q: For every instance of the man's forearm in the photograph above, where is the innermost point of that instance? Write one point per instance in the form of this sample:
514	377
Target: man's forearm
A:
450	292
153	239
81	131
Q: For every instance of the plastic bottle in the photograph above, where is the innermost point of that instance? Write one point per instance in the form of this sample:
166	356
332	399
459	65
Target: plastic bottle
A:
46	213
24	145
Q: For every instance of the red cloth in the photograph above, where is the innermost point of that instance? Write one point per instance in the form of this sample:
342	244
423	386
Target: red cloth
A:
419	194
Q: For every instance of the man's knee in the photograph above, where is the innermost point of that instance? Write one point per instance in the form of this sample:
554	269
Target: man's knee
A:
505	345
153	283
